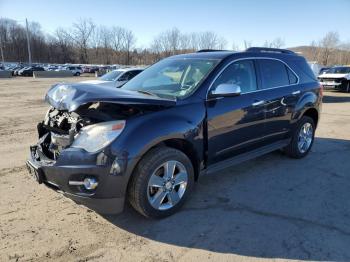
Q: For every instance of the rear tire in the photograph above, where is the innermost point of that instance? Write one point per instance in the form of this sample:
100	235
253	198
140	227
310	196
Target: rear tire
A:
302	138
167	195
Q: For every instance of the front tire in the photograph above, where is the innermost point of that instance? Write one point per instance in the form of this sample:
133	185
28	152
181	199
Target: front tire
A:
302	138
161	182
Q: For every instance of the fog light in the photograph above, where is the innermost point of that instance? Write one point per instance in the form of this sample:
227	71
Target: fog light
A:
90	183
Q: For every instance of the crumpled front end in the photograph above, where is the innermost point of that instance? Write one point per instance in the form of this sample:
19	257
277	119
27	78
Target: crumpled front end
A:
95	179
74	152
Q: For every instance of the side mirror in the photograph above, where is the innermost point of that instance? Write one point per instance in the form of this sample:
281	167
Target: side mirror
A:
226	90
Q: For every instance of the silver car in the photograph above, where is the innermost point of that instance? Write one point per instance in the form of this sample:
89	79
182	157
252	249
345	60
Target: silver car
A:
116	78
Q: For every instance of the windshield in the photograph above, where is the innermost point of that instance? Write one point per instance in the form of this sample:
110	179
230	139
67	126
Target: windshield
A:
111	76
339	70
172	77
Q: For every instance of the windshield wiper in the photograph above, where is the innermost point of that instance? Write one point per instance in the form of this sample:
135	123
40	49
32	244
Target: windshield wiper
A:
153	94
146	92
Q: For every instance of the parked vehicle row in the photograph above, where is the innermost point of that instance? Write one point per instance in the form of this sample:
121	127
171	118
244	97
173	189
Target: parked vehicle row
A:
76	70
148	141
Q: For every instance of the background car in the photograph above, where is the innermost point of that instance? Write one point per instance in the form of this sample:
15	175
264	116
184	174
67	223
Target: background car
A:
28	71
324	70
76	70
17	69
116	78
337	77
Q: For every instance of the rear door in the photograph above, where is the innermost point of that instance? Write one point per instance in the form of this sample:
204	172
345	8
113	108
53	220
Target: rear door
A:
279	84
235	124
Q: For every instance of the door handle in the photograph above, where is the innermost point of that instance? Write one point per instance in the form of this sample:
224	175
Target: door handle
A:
296	93
258	103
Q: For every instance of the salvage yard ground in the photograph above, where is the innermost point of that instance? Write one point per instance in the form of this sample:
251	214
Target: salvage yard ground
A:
273	207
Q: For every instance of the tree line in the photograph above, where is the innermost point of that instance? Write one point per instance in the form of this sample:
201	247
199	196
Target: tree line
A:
88	43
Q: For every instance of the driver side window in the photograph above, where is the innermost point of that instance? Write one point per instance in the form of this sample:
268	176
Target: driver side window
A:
241	73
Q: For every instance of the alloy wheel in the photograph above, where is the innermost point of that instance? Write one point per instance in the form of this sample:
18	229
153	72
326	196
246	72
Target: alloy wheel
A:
167	185
305	137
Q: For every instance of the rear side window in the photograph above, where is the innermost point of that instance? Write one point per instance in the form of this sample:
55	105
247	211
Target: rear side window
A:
241	73
273	73
292	77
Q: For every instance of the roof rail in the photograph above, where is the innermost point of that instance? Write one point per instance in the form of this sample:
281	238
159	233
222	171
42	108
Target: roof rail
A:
208	50
270	50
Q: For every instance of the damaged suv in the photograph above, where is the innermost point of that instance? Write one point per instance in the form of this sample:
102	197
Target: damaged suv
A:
187	115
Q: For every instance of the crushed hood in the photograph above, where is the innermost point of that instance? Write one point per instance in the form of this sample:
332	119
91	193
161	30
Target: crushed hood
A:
71	96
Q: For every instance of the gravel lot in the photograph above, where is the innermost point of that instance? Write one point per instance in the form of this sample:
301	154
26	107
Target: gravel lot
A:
269	208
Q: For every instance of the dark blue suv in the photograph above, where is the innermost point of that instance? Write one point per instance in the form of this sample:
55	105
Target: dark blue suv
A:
187	115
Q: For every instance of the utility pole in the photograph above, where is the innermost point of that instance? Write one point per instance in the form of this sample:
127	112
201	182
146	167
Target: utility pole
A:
2	52
28	44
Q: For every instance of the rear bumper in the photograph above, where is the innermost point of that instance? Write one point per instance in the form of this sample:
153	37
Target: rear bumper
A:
75	165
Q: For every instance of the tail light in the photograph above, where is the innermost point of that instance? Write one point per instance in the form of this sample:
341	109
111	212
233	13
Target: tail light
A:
321	90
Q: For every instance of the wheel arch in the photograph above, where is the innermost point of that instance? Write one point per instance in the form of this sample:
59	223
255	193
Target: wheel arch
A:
309	105
313	113
182	145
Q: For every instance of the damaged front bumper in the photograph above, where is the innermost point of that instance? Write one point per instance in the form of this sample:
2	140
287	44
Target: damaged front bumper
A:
75	165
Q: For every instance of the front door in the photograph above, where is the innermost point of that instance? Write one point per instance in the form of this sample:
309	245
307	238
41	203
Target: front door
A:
235	124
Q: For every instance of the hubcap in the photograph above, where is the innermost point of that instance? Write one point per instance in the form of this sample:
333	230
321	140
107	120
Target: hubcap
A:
167	185
305	137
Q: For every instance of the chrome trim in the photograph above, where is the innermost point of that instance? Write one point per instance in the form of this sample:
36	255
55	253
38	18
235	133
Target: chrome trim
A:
76	183
254	58
258	103
225	89
296	92
282	102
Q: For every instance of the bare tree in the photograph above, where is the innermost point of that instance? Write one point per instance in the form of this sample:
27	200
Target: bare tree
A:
173	38
106	43
168	42
247	44
65	46
208	40
84	42
174	42
235	47
128	44
117	41
314	50
276	43
328	43
193	41
82	33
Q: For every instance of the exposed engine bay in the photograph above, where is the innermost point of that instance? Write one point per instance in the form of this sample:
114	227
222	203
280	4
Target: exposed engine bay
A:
59	127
